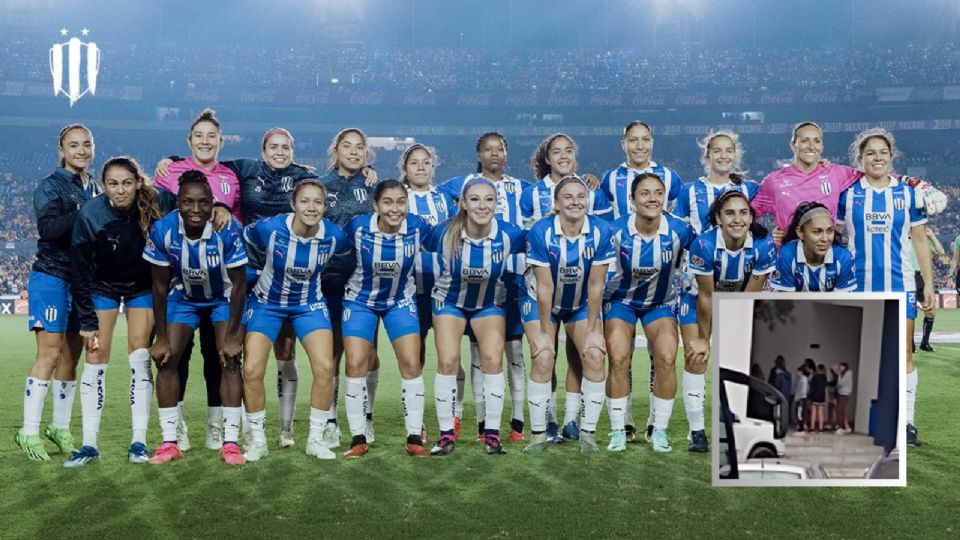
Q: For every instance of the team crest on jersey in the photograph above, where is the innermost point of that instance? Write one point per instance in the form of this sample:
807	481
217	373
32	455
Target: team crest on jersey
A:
898	203
213	259
829	284
497	257
510	187
441	206
684	309
666	255
589	252
224	186
526	308
360	194
409	250
346	314
323	257
286	183
825	185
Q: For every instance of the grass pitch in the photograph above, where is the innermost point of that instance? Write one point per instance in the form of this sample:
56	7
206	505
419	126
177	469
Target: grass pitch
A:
468	494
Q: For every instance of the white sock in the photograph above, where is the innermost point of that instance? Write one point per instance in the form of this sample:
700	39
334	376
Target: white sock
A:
34	393
92	388
572	408
169	420
615	410
63	403
461	380
373	381
552	408
256	420
516	376
355	400
694	387
476	382
445	396
411	398
214	415
336	395
662	409
141	394
494	387
538	395
231	423
911	403
593	396
287	376
318	422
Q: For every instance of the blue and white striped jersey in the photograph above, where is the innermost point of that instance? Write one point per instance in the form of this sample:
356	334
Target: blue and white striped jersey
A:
709	256
384	261
693	203
795	274
646	265
569	259
433	206
199	267
472	277
615	185
508	195
536	202
425	271
291	272
877	227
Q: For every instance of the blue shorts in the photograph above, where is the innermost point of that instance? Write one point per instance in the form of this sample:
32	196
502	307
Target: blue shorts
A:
687	308
51	304
528	310
624	312
189	312
912	312
253	275
425	312
105	303
468	314
360	321
268	318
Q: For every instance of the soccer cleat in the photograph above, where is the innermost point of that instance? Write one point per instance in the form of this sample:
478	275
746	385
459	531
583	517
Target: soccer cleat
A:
926	347
183	436
62	438
358	447
444	446
648	434
368	431
912	439
286	439
415	447
631	432
660	441
456	426
331	435
553	433
317	448
516	431
165	453
618	441
571	431
138	453
79	458
698	442
492	445
256	450
538	443
32	446
214	438
588	443
230	453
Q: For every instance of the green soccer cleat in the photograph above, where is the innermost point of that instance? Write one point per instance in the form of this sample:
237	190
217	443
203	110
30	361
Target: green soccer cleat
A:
62	438
618	441
32	445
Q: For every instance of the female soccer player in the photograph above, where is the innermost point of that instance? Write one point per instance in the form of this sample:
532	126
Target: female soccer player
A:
811	257
735	254
491	151
650	245
53	315
569	253
205	140
882	216
297	247
720	154
417	166
207	268
349	194
474	247
108	239
387	244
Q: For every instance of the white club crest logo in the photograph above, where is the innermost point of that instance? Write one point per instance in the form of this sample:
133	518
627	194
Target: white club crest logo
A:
77	53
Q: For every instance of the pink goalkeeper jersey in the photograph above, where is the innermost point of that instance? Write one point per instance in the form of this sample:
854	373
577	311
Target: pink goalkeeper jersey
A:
223	182
781	191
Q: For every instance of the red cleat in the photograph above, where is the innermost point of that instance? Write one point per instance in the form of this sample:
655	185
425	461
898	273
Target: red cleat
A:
357	450
516	436
231	454
417	450
165	453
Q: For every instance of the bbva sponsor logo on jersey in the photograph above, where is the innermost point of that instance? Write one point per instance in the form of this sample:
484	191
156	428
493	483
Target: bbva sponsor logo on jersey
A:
194	274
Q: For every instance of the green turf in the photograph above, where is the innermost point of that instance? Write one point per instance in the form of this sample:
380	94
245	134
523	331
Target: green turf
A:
467	494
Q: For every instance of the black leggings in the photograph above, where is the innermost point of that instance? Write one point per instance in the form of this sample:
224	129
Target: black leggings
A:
211	363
